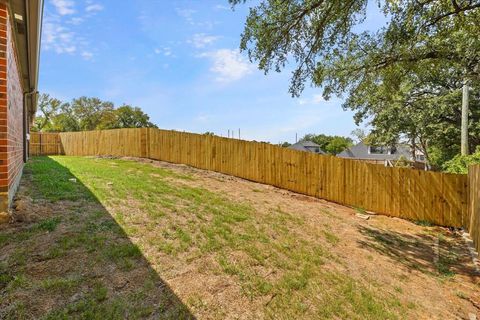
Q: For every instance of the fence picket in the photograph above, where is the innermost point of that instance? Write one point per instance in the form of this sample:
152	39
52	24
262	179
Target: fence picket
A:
412	194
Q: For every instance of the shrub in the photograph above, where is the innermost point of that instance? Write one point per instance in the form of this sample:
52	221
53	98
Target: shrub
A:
459	164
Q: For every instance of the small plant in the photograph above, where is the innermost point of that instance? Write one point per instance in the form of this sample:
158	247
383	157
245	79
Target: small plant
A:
424	223
99	293
360	210
331	238
461	295
48	225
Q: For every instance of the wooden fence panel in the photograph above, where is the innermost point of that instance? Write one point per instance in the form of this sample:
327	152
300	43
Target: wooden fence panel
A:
412	194
474	204
44	144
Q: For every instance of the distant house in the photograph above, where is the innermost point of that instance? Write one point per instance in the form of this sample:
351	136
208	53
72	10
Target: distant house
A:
307	146
381	154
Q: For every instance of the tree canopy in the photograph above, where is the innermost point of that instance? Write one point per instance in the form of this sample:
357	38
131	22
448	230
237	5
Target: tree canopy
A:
86	113
330	144
403	79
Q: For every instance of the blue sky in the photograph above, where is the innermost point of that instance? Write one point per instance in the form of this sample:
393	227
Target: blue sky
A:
179	62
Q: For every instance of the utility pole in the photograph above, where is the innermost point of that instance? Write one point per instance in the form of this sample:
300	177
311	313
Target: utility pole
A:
238	133
464	139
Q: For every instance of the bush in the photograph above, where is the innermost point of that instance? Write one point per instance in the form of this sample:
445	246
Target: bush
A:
459	164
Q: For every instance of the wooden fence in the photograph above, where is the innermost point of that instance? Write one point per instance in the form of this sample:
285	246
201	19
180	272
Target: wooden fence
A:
44	144
473	226
439	198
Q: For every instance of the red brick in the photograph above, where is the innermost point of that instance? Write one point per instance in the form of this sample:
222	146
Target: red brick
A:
11	110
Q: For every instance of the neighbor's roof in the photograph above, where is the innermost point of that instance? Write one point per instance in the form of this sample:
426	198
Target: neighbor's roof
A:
26	20
306	146
360	151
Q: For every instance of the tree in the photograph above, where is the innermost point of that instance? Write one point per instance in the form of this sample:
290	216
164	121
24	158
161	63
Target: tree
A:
65	120
460	163
86	113
321	38
338	144
48	108
359	134
90	112
425	112
330	144
390	76
126	117
285	144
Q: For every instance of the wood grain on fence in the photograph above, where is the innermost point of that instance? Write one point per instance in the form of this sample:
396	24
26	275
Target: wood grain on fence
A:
44	144
436	197
474	201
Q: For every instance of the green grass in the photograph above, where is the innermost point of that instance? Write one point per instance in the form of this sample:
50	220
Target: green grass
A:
360	210
266	253
330	237
48	224
63	285
52	182
424	223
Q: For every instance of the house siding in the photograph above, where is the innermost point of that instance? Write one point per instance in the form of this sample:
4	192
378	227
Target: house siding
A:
11	114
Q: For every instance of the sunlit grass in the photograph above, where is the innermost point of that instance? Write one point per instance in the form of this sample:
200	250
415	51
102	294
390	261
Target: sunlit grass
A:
267	253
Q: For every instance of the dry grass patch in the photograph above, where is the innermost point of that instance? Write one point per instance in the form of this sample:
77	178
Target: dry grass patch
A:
126	232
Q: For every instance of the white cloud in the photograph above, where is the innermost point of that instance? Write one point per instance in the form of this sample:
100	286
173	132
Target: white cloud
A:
57	38
87	55
93	7
186	14
228	65
202	118
59	30
315	99
221	7
64	7
166	51
201	40
75	21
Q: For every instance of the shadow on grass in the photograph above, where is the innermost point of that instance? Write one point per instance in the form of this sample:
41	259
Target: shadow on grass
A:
66	257
439	253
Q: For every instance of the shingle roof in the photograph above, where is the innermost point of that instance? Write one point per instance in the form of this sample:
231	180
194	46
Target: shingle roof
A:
308	146
360	151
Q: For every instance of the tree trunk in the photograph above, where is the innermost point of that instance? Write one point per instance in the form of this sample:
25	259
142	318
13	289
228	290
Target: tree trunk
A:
464	139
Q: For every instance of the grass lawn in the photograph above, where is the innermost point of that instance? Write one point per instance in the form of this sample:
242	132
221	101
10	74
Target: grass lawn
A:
112	239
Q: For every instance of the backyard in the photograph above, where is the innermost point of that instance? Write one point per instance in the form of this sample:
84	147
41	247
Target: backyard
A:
108	238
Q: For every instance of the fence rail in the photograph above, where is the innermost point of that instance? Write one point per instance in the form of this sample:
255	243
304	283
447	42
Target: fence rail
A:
44	144
436	197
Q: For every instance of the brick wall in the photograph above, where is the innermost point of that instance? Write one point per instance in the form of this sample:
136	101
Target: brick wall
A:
11	113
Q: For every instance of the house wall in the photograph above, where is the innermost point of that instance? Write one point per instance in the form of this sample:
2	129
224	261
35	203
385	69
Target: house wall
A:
11	114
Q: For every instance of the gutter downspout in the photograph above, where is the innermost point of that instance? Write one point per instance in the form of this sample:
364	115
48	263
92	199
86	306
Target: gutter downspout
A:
26	129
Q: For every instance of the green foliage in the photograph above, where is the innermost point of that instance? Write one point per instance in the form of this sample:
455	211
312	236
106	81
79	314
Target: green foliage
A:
402	162
460	164
359	134
330	144
285	144
404	79
86	113
49	224
126	117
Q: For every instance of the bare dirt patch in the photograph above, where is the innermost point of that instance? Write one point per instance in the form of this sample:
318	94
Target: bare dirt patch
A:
149	239
383	251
